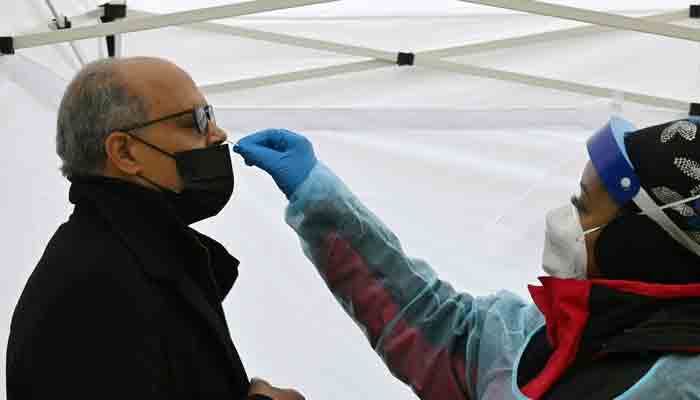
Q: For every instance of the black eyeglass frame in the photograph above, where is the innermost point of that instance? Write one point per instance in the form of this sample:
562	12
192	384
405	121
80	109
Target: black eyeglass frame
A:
201	116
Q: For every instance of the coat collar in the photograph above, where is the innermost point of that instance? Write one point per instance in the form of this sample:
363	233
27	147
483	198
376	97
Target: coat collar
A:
148	226
143	221
596	317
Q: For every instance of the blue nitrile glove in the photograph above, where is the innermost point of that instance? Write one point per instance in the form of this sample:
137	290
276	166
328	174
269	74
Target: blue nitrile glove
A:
287	156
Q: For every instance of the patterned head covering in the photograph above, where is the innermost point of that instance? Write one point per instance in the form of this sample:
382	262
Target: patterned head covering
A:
667	160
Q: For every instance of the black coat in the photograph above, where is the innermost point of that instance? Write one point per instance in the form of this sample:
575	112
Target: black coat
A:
125	304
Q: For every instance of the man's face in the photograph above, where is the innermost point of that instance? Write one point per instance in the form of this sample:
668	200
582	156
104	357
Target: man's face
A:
167	90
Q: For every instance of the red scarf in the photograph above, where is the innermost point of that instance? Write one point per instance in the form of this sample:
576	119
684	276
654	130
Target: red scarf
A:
565	305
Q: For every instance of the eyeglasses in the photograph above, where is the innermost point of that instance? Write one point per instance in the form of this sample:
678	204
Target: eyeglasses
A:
201	116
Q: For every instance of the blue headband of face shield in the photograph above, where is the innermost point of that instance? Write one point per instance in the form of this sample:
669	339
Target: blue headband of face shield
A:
606	149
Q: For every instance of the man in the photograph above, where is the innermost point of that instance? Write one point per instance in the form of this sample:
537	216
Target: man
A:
125	303
617	318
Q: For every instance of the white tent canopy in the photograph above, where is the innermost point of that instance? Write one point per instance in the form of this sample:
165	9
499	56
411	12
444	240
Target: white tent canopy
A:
461	166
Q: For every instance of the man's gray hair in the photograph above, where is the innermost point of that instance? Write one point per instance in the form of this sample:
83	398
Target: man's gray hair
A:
96	103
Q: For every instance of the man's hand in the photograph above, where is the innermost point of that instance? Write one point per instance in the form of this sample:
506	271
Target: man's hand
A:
260	387
287	156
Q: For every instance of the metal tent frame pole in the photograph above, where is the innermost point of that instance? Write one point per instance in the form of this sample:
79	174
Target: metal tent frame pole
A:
646	25
113	11
545	37
385	58
312	73
571	87
594	17
556	84
389	61
148	23
431	59
61	24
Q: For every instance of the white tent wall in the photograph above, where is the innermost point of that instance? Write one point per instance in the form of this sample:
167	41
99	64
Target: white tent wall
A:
34	200
462	168
452	183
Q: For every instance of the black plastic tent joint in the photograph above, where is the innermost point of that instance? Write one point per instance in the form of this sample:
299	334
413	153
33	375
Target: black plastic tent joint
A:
695	11
405	58
7	45
112	12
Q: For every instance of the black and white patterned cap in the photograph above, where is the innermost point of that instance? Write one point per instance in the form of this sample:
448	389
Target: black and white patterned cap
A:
666	158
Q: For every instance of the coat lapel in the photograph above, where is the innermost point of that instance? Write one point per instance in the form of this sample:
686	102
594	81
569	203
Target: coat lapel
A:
145	224
193	294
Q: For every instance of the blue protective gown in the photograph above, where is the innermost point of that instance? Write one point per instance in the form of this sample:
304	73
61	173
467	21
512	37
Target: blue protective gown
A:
443	343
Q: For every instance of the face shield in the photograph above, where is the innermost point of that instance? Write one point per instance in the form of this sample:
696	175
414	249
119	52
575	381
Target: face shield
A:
519	231
608	153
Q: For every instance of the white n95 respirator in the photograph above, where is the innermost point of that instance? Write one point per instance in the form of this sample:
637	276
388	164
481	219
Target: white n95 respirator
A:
564	253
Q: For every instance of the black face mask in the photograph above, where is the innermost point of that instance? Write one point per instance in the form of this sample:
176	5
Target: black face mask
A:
635	248
208	181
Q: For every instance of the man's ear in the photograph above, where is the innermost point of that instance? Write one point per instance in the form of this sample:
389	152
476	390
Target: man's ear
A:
120	153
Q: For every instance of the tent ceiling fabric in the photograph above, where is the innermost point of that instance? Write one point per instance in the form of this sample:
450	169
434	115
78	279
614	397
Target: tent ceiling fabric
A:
470	158
250	58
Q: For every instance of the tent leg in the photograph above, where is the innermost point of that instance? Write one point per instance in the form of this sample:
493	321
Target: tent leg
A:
113	11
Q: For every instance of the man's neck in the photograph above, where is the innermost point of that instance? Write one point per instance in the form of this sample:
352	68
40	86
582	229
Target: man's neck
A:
111	172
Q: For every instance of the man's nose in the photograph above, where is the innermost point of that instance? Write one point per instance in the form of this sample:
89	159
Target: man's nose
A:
216	135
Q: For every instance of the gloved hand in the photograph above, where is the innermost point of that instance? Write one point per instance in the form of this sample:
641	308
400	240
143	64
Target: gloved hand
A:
287	156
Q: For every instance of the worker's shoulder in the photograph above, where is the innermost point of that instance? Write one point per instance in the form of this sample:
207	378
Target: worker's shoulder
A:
510	311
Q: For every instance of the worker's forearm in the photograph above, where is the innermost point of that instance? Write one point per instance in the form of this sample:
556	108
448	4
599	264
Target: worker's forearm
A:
417	323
